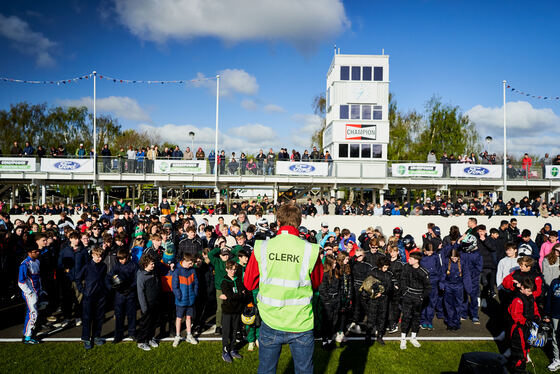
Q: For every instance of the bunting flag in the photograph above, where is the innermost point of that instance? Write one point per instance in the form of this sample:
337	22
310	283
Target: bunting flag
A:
526	94
57	82
101	76
129	81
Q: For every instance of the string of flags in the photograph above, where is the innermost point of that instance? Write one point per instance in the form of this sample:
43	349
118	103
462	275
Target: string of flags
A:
531	95
110	79
57	82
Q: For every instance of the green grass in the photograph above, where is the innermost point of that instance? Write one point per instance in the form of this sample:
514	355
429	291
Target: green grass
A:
432	357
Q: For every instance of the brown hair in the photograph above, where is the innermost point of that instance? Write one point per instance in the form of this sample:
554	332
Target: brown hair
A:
289	215
455	253
97	251
188	257
328	266
342	267
145	260
123	254
231	264
526	260
552	257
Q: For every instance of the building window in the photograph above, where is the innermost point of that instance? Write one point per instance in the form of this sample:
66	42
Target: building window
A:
354	151
377	112
344	112
356	73
378	73
366	112
354	112
376	150
344	73
366	73
366	151
343	150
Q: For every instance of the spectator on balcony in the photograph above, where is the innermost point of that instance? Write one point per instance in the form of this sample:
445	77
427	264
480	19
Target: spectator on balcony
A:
28	150
252	166
61	151
545	161
233	165
261	157
556	161
41	152
81	151
295	156
140	156
222	162
106	157
485	158
473	158
212	160
121	154
178	154
151	155
131	159
445	161
188	154
270	158
243	163
432	157
315	155
526	164
328	158
200	154
16	150
305	156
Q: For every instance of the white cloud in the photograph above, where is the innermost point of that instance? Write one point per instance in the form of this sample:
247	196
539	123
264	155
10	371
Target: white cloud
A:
245	138
120	106
249	105
302	23
308	124
529	129
273	108
26	40
232	81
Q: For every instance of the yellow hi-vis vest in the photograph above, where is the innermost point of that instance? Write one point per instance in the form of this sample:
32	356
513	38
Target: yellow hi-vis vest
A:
285	291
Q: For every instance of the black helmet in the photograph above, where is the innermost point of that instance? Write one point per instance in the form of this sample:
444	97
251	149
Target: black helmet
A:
408	241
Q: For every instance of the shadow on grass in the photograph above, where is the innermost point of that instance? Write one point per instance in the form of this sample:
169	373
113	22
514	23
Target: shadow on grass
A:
353	358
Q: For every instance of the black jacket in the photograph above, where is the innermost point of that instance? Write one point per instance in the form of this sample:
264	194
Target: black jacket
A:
92	280
190	246
127	275
236	295
415	283
386	279
360	270
329	289
372	258
487	249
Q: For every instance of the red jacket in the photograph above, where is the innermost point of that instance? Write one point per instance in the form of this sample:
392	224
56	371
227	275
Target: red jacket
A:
510	285
516	311
251	278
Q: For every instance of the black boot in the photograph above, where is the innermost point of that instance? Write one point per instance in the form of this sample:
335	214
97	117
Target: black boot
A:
380	340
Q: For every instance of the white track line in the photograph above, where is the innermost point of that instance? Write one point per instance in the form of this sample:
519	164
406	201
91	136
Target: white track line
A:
215	339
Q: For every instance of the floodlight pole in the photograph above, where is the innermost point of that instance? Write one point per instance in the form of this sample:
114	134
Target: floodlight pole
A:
505	140
94	127
216	152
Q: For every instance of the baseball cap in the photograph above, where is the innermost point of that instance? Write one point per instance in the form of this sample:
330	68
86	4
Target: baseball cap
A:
324	224
225	251
436	230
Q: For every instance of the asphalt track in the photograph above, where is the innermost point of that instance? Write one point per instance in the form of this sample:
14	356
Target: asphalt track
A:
12	317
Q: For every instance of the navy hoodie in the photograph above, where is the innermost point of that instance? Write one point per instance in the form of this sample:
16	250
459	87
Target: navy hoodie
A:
92	280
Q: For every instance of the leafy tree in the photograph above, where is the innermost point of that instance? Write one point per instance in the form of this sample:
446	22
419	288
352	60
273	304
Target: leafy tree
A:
319	108
135	139
445	129
402	127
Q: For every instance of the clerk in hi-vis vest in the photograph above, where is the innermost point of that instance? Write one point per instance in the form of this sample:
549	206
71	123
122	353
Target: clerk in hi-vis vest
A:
286	269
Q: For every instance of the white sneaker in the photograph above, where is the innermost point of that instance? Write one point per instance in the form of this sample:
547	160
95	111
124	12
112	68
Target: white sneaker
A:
144	346
403	343
78	321
555	365
507	353
176	341
251	346
153	343
257	343
339	337
501	337
528	358
191	339
415	342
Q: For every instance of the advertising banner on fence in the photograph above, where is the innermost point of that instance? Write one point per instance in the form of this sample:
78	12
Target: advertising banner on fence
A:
17	164
67	165
476	171
302	168
180	166
552	171
417	170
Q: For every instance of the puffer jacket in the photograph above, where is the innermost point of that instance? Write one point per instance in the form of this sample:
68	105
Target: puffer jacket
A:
185	285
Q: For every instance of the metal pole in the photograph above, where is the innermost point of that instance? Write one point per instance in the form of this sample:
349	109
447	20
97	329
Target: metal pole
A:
505	141
94	128
216	144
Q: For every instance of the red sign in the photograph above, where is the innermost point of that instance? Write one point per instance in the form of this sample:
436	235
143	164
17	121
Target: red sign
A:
360	132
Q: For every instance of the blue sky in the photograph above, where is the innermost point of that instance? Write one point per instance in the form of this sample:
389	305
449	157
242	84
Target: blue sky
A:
273	57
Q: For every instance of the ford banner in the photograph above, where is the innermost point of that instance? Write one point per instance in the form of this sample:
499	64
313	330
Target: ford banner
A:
302	168
476	171
67	165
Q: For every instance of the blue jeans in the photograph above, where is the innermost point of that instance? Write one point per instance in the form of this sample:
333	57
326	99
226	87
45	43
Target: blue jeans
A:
270	346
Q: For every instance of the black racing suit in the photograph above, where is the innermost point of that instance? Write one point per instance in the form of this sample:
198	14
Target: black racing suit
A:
415	286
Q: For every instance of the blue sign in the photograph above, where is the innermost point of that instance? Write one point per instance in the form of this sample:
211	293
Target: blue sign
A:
476	170
67	165
302	168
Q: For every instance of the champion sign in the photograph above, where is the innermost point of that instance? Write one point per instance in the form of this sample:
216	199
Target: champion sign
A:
302	168
67	165
476	170
360	132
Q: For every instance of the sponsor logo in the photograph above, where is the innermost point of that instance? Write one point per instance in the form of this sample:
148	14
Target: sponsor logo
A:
179	167
401	170
67	165
163	166
554	171
361	132
302	168
428	170
15	165
476	170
